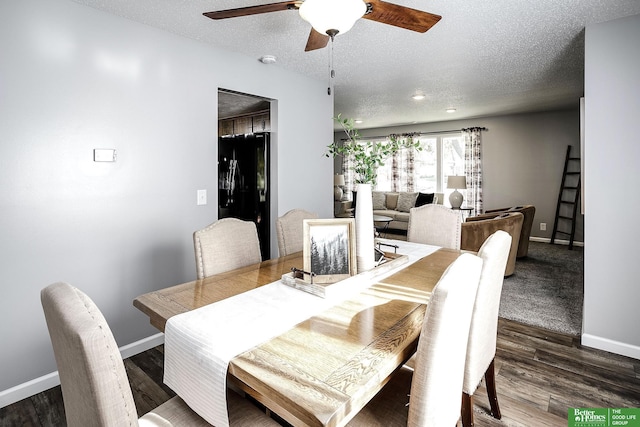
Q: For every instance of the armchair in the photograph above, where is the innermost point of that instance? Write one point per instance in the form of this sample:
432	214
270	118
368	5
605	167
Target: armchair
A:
475	230
529	211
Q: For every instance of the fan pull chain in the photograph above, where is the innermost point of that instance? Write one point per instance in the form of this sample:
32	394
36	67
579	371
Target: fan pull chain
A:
332	73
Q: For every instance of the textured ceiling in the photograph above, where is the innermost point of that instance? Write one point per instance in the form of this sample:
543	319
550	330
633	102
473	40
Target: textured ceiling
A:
232	104
483	58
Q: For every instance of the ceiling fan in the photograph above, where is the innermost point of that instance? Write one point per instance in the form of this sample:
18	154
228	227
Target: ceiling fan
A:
330	17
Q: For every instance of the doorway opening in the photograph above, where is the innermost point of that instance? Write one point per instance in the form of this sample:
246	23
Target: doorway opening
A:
244	161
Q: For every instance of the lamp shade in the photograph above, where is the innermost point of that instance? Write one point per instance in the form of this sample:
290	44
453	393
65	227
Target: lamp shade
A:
457	182
338	179
325	15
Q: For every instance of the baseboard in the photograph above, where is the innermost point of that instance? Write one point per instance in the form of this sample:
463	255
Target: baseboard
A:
142	345
611	346
28	389
557	241
45	382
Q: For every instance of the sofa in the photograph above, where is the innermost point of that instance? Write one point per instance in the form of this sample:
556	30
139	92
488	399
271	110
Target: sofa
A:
393	204
397	205
475	230
529	211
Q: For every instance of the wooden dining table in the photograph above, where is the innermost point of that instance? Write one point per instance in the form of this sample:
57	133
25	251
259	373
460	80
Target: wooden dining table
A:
325	369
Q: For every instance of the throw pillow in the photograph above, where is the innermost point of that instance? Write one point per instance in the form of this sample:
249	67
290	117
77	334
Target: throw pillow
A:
406	201
424	199
379	200
392	201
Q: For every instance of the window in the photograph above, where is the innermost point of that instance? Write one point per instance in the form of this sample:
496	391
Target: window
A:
440	157
452	160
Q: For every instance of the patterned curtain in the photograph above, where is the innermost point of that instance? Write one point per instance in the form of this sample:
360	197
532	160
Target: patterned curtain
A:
403	168
473	168
349	177
395	172
411	166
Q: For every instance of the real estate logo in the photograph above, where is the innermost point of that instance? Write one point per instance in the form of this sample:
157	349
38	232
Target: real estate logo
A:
603	417
591	417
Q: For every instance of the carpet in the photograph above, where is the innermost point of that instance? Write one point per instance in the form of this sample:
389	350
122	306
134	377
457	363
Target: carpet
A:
546	289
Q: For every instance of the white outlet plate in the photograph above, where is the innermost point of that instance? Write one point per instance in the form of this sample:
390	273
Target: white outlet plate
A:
201	197
543	226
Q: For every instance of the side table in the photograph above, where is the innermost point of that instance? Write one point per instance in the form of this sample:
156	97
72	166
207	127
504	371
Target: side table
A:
464	212
381	223
342	209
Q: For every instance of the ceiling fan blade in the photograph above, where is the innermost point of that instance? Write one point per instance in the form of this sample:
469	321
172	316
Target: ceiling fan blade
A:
401	16
316	41
253	10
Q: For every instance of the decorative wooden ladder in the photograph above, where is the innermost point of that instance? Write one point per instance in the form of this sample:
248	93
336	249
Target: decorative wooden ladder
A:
568	199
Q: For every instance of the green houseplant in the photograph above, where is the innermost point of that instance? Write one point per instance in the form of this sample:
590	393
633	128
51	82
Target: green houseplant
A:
367	156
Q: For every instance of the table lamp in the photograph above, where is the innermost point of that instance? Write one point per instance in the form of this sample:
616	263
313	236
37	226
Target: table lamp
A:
457	183
338	182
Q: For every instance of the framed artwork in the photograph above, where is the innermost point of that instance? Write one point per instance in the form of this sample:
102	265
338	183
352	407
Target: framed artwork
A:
329	249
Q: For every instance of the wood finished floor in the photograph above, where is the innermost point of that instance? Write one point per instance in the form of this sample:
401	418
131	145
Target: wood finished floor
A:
539	375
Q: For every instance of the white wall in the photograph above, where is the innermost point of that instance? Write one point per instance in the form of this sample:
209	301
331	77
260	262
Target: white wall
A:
73	79
612	152
522	156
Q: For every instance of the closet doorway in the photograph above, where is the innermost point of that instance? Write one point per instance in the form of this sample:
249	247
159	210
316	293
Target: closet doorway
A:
244	161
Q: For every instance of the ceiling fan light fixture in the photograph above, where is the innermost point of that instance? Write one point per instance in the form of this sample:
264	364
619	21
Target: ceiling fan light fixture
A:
332	15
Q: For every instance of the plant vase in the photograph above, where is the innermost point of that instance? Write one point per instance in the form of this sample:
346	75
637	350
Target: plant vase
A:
364	229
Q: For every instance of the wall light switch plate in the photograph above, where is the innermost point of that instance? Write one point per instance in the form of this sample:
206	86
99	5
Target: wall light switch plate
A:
201	197
104	155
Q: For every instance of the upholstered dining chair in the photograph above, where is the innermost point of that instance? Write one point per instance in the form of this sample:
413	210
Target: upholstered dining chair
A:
481	350
289	230
225	245
95	387
434	386
435	225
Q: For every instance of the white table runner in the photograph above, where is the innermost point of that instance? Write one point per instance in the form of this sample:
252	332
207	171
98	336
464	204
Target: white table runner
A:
200	343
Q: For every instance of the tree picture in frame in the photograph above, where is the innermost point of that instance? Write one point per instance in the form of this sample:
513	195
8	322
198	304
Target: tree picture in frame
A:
329	249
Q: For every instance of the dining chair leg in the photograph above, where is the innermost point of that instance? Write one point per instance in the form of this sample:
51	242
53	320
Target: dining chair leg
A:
490	382
467	410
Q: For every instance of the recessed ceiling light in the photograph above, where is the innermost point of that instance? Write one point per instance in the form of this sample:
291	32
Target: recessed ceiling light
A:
357	121
267	59
418	96
451	110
